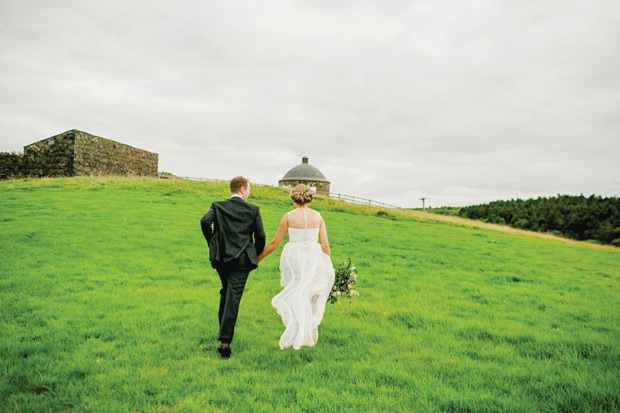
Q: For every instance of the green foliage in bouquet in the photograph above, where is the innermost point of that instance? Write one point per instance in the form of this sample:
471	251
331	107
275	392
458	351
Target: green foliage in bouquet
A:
344	284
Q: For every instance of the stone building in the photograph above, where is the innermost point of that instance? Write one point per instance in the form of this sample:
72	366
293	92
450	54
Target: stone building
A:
304	173
77	153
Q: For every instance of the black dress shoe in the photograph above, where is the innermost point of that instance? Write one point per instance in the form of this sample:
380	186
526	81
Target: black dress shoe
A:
224	350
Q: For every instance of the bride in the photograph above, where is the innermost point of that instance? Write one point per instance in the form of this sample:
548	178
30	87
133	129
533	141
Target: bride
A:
306	271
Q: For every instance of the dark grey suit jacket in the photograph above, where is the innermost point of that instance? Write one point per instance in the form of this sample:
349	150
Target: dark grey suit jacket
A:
237	227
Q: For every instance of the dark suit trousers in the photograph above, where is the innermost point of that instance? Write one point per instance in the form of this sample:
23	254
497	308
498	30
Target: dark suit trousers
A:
233	275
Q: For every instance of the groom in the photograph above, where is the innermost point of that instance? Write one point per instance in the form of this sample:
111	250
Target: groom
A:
235	241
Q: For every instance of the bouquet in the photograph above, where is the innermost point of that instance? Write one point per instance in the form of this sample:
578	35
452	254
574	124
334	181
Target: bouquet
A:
344	283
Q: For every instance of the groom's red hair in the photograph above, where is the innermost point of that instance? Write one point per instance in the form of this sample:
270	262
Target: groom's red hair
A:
237	183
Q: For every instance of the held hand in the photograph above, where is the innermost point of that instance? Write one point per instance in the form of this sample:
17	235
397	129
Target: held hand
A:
261	257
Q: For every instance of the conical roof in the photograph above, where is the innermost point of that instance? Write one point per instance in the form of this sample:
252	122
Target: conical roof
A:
304	171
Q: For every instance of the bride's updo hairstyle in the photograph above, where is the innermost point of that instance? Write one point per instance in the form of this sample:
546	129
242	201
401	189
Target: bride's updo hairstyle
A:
301	195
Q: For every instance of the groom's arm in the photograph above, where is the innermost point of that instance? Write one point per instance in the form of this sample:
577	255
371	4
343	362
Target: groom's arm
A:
259	234
206	222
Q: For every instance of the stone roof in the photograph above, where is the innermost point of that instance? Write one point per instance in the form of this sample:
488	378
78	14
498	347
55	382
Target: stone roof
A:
71	133
304	171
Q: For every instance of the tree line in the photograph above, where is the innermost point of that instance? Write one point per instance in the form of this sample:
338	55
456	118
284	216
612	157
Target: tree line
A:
577	217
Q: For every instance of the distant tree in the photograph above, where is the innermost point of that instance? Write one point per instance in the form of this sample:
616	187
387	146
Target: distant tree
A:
578	217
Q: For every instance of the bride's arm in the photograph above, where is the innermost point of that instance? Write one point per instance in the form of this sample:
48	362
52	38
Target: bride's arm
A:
323	237
273	244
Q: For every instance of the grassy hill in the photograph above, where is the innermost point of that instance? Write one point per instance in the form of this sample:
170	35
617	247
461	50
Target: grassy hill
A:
108	302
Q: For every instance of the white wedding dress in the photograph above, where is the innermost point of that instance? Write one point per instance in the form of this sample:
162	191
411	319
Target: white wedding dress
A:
307	275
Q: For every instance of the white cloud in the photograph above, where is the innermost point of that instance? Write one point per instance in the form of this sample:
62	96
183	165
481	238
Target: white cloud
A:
462	102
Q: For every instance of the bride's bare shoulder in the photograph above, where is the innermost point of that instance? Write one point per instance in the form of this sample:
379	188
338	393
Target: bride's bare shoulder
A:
315	212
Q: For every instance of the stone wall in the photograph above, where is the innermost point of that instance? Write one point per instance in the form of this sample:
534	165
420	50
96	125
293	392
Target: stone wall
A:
75	153
12	165
52	156
322	188
99	156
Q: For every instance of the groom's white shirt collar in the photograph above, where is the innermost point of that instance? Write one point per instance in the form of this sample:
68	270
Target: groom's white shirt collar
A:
236	196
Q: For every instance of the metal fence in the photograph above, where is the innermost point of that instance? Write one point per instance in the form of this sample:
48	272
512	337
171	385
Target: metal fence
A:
358	200
340	197
191	178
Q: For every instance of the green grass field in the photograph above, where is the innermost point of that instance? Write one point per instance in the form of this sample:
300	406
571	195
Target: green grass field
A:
108	303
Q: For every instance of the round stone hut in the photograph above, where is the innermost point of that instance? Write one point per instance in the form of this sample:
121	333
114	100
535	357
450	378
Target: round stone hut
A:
304	173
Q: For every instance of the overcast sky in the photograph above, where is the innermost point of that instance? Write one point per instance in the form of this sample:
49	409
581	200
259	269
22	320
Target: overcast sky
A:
462	102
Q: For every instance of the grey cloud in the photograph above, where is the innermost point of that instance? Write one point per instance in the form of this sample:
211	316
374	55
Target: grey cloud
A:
464	101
